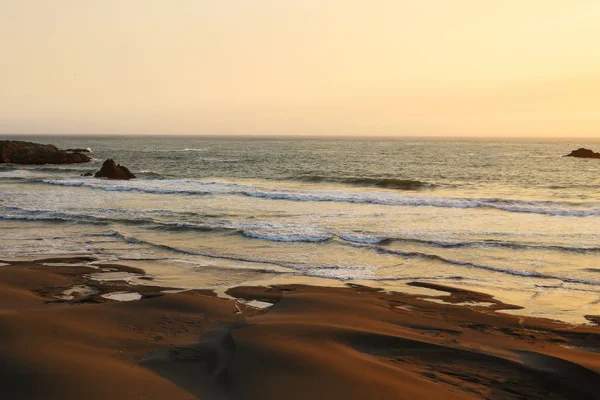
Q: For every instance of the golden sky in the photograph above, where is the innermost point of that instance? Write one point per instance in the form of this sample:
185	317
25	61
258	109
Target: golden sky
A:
377	67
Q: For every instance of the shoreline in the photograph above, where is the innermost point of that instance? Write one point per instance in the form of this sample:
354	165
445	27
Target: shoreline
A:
314	342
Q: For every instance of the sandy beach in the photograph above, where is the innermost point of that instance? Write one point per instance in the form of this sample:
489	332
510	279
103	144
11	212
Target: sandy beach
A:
313	342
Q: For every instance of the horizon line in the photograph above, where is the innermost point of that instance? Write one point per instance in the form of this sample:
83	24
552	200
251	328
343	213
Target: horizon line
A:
306	136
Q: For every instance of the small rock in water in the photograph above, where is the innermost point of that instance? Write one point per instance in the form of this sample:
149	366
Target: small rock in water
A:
112	170
583	153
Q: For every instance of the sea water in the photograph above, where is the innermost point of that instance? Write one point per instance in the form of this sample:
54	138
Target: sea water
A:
511	218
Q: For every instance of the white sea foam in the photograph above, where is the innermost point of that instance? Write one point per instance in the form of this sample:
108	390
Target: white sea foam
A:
358	237
13	174
164	186
293	235
392	199
259	230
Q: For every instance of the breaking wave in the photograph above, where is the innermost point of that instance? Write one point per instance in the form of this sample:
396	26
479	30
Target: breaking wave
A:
170	221
388	183
370	239
204	187
288	236
360	272
509	271
323	271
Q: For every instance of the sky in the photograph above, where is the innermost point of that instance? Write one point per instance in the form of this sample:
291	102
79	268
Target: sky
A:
478	68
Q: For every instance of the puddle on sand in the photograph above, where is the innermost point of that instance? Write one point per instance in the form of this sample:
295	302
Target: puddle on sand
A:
114	276
123	296
174	290
464	303
59	264
256	304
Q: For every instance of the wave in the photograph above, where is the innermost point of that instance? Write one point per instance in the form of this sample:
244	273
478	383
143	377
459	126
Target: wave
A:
287	237
119	187
388	199
324	271
276	232
34	218
189	149
509	271
271	232
11	173
149	174
546	211
59	169
205	188
221	160
370	239
57	216
388	183
355	237
360	272
255	230
34	174
185	226
31	174
72	218
45	167
134	240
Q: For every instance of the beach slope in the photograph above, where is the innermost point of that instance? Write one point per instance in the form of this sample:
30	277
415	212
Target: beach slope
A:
313	343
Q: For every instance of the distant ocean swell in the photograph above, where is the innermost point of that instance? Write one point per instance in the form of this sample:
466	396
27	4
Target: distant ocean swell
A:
204	188
388	183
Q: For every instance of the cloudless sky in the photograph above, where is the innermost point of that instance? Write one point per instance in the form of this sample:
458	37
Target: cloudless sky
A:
378	67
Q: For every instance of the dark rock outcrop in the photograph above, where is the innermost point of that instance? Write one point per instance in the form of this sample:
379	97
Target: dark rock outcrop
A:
594	319
79	150
87	174
19	152
583	153
112	170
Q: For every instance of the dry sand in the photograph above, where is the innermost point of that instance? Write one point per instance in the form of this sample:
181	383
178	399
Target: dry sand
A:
314	343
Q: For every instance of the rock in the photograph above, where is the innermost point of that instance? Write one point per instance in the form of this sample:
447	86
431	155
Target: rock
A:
87	174
112	170
88	150
594	319
19	152
583	153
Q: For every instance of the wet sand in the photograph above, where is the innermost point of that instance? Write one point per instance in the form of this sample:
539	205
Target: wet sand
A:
60	337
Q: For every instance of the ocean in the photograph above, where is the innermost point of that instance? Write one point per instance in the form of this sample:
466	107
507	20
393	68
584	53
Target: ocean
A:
510	218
